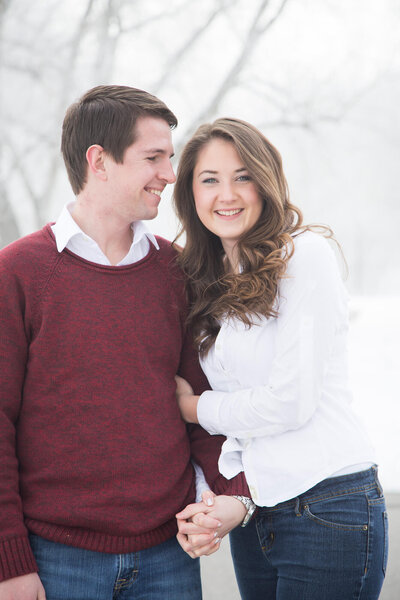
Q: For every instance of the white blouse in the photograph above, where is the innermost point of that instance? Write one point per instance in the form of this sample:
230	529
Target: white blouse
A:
280	390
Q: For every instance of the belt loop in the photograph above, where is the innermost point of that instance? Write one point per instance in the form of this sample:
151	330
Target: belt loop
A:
378	484
297	507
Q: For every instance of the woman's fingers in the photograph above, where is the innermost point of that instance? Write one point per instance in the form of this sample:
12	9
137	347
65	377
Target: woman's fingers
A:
197	546
206	521
190	528
190	510
201	546
199	508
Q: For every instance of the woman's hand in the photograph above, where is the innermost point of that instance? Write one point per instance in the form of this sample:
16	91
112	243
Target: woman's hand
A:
187	401
197	529
201	526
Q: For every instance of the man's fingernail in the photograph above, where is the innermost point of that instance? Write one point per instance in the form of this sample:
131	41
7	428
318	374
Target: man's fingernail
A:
216	541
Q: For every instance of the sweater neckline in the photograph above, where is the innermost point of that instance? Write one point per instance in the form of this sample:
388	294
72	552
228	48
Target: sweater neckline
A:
93	265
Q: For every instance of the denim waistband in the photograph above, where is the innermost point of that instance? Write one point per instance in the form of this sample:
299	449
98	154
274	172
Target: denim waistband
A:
334	486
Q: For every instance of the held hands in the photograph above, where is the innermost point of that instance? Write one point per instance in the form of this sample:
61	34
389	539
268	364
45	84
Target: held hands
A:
187	401
25	587
203	525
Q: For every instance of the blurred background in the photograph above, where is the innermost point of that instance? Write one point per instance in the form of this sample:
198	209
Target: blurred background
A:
320	79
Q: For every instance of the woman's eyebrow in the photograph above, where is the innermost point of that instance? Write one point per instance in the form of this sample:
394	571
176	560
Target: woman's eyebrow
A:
215	172
208	171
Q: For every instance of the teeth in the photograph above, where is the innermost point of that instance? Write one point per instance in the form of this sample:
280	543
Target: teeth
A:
229	213
157	192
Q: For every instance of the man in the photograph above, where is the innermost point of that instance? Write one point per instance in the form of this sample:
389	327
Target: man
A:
94	458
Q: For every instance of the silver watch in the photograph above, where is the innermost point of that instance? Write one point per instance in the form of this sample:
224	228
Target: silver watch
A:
250	507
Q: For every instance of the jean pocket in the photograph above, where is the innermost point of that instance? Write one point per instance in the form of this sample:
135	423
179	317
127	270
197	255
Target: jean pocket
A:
346	513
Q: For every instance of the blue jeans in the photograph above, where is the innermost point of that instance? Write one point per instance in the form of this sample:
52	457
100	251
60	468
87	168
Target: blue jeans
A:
330	543
164	572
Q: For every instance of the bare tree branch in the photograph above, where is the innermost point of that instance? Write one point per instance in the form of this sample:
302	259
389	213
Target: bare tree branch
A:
254	33
109	40
8	224
307	116
18	165
183	50
22	68
65	87
270	92
75	47
263	28
154	18
4	6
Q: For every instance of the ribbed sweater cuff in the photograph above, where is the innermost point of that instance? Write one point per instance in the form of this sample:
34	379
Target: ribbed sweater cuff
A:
16	558
237	486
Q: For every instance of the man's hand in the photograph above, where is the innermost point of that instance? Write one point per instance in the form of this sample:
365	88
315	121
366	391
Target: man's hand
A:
187	401
201	527
25	587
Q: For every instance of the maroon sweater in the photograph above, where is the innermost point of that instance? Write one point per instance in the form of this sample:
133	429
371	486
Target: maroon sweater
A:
93	451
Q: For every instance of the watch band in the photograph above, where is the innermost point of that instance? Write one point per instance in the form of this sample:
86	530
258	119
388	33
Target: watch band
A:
250	507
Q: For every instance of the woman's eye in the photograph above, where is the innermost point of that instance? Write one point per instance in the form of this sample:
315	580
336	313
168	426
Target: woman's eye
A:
244	178
209	180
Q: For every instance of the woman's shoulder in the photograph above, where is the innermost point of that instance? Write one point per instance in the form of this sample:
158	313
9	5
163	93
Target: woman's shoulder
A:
313	245
312	253
310	238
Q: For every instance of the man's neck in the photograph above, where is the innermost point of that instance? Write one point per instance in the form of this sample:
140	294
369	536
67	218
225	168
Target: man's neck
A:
113	237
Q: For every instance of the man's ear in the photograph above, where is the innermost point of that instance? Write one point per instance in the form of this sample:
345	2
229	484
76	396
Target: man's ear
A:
95	156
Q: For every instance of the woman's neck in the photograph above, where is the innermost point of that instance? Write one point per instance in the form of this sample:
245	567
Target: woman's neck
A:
232	262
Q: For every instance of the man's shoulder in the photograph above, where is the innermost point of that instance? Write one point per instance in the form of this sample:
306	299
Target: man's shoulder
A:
165	245
35	247
167	257
168	252
32	241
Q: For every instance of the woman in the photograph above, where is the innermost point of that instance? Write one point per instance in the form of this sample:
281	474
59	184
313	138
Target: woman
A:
269	316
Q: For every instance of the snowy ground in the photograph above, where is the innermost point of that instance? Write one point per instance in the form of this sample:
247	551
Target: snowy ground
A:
375	370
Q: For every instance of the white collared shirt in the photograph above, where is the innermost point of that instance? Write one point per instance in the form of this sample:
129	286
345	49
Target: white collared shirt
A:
280	388
69	235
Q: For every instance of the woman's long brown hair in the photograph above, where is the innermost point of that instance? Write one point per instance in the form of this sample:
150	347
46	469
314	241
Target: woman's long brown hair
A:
213	291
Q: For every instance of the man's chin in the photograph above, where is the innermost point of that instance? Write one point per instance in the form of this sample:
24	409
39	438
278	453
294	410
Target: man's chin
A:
152	214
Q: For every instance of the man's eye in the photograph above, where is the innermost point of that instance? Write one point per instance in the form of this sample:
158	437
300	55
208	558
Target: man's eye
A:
151	158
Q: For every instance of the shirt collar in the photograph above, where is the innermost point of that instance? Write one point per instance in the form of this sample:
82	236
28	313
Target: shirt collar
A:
66	228
140	230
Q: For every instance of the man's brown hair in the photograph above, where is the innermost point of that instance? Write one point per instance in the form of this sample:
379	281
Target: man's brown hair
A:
105	115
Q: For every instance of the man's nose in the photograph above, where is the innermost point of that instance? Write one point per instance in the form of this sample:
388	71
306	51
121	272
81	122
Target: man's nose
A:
167	173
